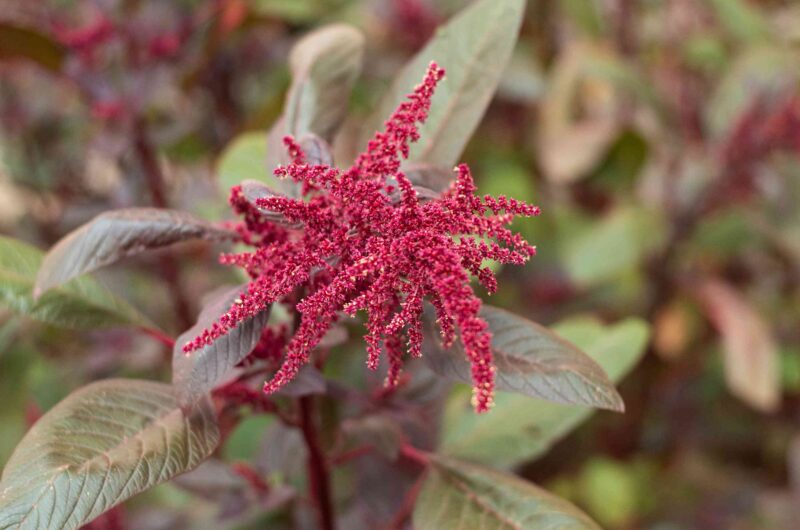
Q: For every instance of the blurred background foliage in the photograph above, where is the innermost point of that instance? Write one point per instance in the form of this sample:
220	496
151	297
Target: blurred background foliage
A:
660	137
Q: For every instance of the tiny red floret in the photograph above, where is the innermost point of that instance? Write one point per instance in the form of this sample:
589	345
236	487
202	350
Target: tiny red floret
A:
367	241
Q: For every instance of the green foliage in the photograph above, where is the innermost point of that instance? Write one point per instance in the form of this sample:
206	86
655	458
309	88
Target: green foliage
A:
530	360
740	19
82	303
610	491
245	157
101	445
612	246
526	428
456	493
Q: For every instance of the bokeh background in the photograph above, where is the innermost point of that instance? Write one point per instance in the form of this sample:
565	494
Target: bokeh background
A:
660	138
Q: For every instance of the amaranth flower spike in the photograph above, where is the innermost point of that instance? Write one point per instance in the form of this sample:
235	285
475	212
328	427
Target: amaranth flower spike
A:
367	241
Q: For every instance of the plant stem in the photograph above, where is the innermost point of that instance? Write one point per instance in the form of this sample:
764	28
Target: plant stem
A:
407	507
155	182
318	472
415	455
160	336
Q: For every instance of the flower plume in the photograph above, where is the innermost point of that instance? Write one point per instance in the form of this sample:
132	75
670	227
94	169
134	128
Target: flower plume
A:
364	239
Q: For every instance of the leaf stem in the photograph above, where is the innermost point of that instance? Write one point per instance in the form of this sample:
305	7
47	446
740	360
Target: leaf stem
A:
160	336
415	455
319	476
407	507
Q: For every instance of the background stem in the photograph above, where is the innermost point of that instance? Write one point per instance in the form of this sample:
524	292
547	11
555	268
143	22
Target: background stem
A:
318	472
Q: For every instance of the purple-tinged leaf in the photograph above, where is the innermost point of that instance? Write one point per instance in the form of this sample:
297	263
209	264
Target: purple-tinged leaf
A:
197	373
474	48
252	190
435	178
750	351
324	65
117	234
459	495
308	381
101	445
317	151
530	360
376	430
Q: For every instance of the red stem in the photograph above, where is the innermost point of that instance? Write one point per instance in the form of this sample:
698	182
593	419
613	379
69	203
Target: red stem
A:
407	507
319	476
161	337
415	455
352	454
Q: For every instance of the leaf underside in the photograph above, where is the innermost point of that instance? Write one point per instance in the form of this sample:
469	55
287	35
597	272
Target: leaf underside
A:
117	234
530	360
459	496
526	429
474	49
199	372
103	444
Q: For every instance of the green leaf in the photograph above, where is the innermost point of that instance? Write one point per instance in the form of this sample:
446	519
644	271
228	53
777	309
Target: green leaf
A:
474	48
741	20
459	495
245	157
526	429
196	374
612	246
103	444
297	11
117	234
81	303
26	43
530	360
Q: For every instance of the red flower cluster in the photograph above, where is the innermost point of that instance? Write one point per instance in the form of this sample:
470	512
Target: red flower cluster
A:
367	241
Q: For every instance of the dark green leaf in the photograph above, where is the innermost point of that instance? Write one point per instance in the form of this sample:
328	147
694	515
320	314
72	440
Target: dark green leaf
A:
81	303
26	43
530	360
457	495
526	429
474	48
103	444
196	374
117	234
